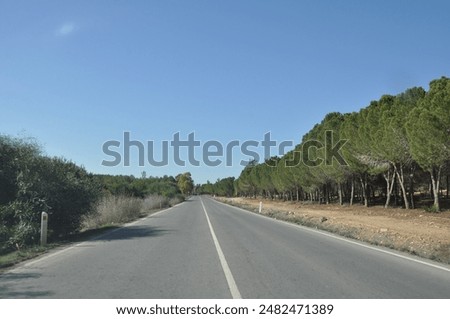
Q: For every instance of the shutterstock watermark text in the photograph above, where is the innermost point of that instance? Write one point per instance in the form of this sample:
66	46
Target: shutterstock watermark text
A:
214	153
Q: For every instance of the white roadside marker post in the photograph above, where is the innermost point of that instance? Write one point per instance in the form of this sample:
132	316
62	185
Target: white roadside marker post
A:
44	224
260	207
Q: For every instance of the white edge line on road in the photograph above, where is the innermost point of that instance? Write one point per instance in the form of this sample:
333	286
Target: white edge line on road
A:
226	269
64	250
354	242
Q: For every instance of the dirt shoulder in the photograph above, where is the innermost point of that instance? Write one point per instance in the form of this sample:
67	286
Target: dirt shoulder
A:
414	231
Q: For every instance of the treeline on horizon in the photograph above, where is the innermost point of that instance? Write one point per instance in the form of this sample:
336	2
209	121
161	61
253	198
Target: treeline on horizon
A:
138	187
31	183
397	149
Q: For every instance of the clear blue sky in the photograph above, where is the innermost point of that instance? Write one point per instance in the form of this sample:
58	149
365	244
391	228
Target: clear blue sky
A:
74	74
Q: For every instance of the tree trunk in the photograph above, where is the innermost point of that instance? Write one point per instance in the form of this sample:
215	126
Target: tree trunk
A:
435	174
340	194
447	186
326	195
401	180
390	179
352	192
364	190
411	187
396	194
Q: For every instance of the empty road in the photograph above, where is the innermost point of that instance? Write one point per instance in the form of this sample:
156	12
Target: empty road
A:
205	249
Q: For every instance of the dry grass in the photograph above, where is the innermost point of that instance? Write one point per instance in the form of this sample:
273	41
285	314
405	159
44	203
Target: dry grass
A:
153	202
116	210
175	200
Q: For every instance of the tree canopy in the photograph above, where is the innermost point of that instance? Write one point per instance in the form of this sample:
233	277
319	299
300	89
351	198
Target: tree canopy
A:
397	146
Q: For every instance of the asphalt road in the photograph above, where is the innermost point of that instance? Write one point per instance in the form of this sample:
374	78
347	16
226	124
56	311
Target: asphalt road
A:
205	249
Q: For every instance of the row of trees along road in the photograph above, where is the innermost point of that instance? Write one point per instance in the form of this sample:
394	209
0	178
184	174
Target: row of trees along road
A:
396	148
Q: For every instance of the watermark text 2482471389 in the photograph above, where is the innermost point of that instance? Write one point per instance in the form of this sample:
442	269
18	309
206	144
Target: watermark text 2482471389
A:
214	153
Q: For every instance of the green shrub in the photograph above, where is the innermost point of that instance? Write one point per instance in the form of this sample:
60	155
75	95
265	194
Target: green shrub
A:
22	219
16	155
432	209
31	183
69	191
